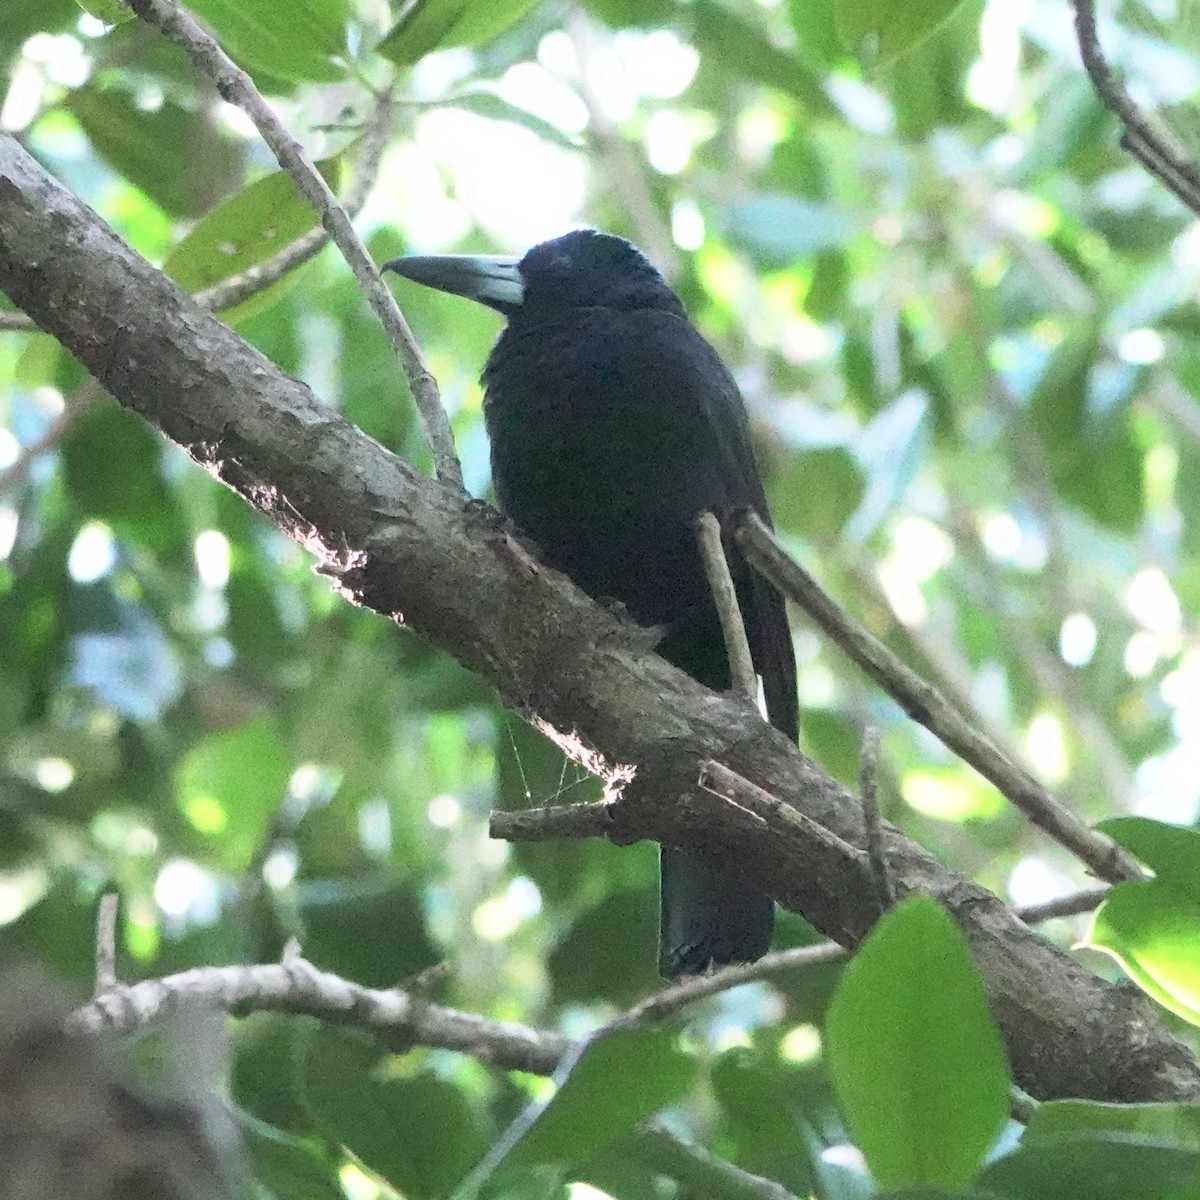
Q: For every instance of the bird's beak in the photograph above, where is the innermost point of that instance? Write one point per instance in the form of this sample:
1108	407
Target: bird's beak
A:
494	281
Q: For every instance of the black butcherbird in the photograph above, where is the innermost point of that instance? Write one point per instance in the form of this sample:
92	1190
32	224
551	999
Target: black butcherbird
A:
613	424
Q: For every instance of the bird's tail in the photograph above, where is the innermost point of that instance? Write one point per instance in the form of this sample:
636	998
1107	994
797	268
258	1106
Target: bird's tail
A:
706	919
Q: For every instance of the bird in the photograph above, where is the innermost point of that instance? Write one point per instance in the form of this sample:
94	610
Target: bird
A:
614	424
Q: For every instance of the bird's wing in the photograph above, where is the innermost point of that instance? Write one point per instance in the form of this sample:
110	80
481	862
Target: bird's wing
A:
686	365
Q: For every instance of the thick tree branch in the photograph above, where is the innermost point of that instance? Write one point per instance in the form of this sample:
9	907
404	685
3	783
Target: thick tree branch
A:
416	550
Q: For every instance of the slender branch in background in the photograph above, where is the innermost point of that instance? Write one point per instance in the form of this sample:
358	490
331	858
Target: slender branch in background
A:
237	88
925	704
733	626
1053	675
257	278
1153	147
625	176
296	986
1175	404
106	944
885	890
75	407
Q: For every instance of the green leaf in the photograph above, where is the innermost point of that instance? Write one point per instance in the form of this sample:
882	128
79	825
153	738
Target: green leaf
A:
1150	927
440	24
176	156
620	14
815	23
296	41
1094	459
425	25
375	936
1094	1167
821	489
1103	478
916	1059
880	31
123	484
245	230
1172	1124
1172	852
933	1193
487	104
111	12
618	1082
739	48
229	786
777	230
1152	931
608	952
265	1082
420	1132
289	1166
485	19
927	83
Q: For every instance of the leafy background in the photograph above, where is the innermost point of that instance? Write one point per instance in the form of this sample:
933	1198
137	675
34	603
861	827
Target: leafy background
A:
965	324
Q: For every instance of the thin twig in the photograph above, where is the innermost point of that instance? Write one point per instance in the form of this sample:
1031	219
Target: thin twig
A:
733	626
236	87
106	944
553	822
662	1005
885	890
1065	906
1154	148
399	1020
16	322
369	154
926	705
718	780
232	291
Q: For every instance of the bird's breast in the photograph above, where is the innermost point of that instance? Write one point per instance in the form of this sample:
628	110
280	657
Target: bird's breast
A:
598	466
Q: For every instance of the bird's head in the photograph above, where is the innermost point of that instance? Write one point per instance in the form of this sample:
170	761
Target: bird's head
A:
583	269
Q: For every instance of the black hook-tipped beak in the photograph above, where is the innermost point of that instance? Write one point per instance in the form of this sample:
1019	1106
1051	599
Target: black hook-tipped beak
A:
492	280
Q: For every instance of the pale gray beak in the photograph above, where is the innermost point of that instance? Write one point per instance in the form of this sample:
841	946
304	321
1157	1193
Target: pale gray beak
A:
492	280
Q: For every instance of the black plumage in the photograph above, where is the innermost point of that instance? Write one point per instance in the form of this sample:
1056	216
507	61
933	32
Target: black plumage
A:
613	424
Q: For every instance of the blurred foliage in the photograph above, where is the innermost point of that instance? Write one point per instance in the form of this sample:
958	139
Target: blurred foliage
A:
966	325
